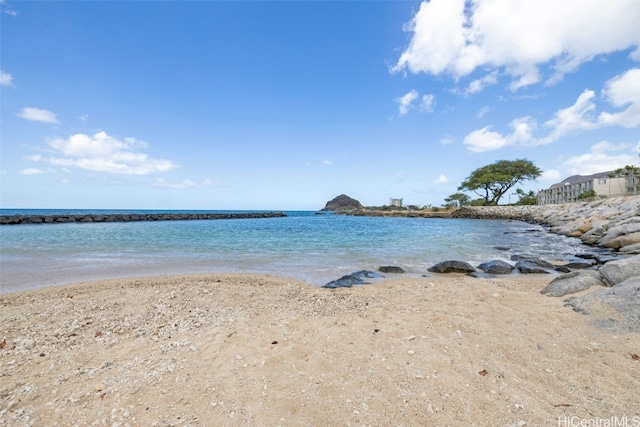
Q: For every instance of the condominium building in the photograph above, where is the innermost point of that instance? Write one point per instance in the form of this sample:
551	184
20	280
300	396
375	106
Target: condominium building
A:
602	184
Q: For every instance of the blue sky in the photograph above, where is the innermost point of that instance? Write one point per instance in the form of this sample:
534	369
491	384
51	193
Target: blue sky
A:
285	105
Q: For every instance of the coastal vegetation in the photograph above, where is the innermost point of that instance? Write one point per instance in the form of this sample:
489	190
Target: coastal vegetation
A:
492	182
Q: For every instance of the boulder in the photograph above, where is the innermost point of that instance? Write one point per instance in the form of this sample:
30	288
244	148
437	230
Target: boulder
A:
391	269
356	278
452	267
580	265
624	298
616	272
534	266
572	282
496	267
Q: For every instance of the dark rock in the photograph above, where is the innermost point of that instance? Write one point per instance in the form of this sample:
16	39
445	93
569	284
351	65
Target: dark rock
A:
587	256
529	266
502	248
480	275
572	282
624	298
562	269
342	203
391	269
616	272
452	267
496	267
356	278
578	265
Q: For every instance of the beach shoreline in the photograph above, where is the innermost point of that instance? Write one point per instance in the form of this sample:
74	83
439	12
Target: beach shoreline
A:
263	350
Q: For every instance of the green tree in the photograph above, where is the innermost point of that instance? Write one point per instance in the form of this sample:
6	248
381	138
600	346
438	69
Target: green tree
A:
529	198
491	182
457	200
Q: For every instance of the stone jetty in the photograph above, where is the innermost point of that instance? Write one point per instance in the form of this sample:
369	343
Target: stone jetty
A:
612	223
88	218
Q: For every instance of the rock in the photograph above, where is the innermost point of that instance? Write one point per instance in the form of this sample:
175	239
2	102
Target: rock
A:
580	265
572	282
356	278
534	266
502	248
496	267
631	249
624	298
452	267
391	269
615	272
342	203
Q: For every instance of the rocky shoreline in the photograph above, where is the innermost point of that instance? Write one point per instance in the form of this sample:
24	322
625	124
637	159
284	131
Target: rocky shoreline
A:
612	223
57	219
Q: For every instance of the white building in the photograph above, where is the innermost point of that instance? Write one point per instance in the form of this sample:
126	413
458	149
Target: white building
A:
395	202
602	184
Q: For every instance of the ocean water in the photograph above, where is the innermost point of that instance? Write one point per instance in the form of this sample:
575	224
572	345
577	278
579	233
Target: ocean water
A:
304	245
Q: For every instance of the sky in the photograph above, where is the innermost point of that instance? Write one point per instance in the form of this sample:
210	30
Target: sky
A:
284	105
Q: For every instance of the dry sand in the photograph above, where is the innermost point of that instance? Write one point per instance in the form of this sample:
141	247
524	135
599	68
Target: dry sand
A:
257	350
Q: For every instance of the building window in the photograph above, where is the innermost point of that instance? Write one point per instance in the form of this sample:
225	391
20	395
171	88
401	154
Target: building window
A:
602	181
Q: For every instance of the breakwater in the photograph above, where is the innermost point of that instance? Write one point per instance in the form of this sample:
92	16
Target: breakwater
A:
89	218
612	223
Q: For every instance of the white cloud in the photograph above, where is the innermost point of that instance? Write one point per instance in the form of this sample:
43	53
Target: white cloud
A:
441	180
481	140
186	183
578	117
327	162
5	79
428	102
31	171
83	118
599	159
405	102
103	153
446	140
479	84
38	115
551	175
484	110
623	91
518	37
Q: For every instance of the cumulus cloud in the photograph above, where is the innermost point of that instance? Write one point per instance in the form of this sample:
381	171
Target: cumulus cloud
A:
601	157
31	171
38	115
427	103
622	91
479	84
441	180
457	37
405	102
5	79
103	153
551	175
327	162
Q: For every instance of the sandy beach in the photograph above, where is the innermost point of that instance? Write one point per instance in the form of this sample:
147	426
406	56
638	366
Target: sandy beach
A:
257	350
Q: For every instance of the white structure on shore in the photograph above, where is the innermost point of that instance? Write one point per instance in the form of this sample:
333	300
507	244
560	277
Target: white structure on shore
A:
395	202
602	184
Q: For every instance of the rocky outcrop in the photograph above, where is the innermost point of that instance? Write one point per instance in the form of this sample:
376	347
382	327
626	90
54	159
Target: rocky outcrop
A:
452	267
342	203
572	282
356	278
623	297
56	219
496	267
612	223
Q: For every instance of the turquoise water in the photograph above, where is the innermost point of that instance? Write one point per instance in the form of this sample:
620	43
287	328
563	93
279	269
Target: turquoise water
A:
303	245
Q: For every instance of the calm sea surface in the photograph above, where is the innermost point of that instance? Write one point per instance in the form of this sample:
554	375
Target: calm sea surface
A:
314	248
